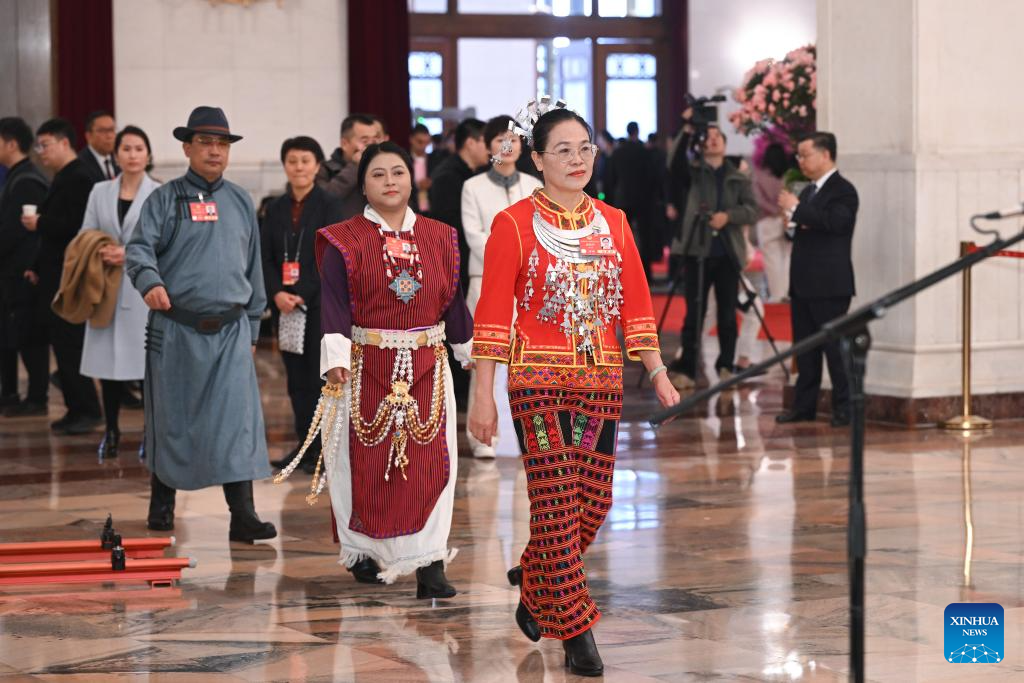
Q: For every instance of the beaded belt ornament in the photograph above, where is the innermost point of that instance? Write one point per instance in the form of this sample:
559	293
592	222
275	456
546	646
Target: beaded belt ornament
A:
328	418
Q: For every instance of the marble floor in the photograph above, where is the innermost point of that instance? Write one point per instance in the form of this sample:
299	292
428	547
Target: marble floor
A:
723	558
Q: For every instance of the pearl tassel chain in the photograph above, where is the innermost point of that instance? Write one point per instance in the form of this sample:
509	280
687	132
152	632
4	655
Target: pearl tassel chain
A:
330	414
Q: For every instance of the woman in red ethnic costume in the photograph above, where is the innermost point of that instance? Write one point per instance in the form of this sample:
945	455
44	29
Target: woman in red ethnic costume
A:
391	297
569	266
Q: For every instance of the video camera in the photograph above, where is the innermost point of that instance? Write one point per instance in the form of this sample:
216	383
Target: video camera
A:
704	113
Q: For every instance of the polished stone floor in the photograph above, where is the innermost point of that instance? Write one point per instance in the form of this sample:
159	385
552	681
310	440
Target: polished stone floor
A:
724	558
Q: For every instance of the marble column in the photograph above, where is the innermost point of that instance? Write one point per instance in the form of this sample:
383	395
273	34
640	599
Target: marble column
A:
923	96
25	89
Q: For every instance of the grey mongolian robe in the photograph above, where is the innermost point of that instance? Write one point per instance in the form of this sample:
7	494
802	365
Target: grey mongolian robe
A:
204	421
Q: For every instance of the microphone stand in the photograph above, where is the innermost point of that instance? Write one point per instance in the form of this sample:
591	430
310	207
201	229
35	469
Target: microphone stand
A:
852	332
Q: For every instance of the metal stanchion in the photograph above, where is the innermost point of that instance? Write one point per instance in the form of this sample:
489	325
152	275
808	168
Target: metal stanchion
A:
966	422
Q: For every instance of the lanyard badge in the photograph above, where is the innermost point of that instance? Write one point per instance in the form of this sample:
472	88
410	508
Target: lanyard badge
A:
203	211
398	248
289	273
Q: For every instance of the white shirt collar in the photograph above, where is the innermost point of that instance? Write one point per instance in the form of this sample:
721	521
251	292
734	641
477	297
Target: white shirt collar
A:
820	182
100	158
407	222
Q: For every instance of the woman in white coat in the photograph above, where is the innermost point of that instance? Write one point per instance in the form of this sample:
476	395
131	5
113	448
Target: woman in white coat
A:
116	354
483	197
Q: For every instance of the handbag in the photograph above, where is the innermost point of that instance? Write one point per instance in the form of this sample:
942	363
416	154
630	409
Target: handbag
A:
291	331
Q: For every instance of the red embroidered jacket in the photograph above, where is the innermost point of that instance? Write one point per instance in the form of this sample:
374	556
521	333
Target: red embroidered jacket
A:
536	342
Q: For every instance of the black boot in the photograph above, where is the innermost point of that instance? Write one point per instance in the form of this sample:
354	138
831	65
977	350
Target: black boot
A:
108	447
366	570
431	582
515	576
246	527
286	459
161	505
581	655
527	624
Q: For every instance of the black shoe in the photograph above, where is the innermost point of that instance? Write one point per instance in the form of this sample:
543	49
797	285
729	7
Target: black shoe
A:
84	424
283	462
432	583
246	527
793	416
581	655
308	464
129	401
366	571
840	419
8	400
161	505
26	409
527	624
59	425
108	447
515	576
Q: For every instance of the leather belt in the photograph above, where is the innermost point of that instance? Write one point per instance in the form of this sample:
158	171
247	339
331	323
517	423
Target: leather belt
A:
204	323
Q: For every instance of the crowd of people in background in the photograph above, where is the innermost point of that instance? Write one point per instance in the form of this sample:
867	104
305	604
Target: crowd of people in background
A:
460	178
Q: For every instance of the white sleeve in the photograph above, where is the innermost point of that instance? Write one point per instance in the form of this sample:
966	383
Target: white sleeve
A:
335	352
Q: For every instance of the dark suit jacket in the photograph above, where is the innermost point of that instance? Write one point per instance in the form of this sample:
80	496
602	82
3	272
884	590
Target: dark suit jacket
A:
319	210
60	219
93	168
25	184
446	202
821	266
631	187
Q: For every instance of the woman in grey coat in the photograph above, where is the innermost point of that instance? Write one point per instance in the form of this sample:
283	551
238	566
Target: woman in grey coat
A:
116	354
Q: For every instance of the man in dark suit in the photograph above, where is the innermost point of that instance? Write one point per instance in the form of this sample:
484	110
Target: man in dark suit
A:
58	221
21	331
821	272
632	189
97	156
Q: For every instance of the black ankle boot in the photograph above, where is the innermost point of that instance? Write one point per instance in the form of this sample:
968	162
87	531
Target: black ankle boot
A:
581	655
246	527
366	570
108	447
161	505
527	624
515	576
431	582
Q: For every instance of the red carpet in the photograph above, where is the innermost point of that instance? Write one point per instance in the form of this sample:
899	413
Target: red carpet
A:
776	317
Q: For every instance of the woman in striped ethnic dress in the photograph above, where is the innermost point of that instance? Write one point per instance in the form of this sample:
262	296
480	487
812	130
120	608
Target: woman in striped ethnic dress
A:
390	298
569	267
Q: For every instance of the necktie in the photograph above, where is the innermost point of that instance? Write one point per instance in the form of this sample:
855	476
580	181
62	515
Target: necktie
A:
109	168
808	192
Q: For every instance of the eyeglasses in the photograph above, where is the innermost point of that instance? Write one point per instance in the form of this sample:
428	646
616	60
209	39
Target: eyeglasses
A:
566	155
208	141
41	147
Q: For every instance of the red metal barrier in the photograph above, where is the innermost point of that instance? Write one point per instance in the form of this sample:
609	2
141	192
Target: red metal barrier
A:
156	572
53	551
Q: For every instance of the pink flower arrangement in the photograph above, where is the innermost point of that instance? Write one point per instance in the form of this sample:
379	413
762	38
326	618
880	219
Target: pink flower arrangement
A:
778	95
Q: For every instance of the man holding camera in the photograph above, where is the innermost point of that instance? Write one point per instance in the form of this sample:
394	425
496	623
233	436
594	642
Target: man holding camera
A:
720	201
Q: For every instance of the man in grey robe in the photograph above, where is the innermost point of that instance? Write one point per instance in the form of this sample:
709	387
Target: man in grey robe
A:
195	258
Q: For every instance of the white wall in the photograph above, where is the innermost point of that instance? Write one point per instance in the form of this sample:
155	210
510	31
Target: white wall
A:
277	71
922	96
728	36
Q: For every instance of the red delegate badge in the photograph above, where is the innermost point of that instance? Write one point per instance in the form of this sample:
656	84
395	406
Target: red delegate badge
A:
203	212
289	272
399	248
597	245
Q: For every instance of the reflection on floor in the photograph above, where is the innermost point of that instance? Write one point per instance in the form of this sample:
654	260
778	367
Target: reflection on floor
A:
724	558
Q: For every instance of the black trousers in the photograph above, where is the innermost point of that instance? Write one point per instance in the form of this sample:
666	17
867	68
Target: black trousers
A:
79	391
23	334
303	372
808	317
720	272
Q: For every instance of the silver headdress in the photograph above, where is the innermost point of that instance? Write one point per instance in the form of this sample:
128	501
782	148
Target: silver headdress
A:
523	122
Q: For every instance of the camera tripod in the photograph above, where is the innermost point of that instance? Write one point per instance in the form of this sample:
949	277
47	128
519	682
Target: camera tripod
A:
702	232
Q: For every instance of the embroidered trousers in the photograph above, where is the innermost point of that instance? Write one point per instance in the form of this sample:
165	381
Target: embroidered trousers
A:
567	440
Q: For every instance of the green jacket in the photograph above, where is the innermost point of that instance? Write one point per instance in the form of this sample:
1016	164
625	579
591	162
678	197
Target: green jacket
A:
738	201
